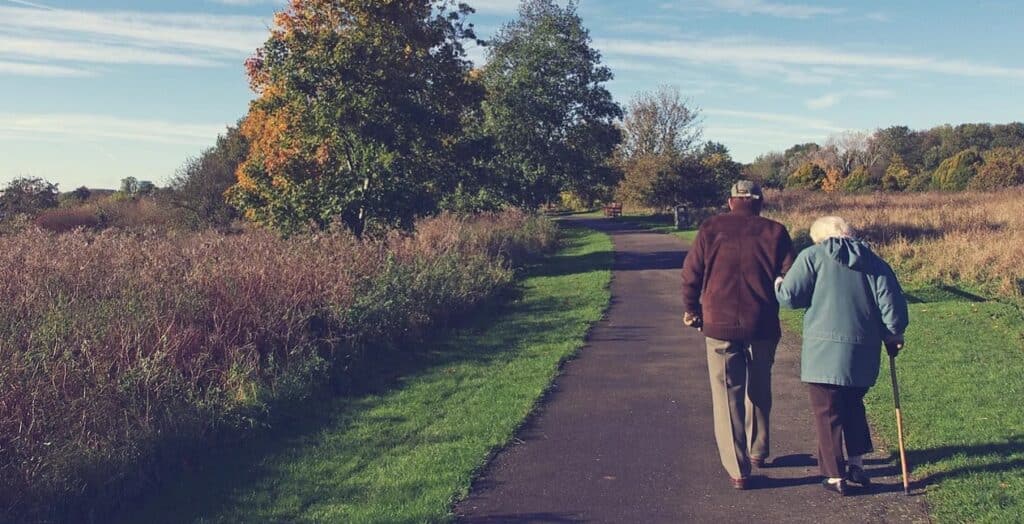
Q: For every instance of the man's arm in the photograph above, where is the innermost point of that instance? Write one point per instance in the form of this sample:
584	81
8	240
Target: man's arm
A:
693	275
785	252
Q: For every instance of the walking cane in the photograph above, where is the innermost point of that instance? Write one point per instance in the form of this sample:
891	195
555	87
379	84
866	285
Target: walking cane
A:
899	416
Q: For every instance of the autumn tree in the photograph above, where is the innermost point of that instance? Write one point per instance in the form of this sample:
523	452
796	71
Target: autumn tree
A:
897	176
551	118
807	176
358	114
1003	167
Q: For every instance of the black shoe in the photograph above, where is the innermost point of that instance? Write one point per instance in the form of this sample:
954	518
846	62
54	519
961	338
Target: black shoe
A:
857	475
839	487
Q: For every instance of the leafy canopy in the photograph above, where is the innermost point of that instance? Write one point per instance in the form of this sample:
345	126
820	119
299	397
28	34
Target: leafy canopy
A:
547	109
358	113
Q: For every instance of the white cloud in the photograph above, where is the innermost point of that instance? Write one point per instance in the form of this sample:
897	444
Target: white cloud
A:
770	56
28	69
248	2
831	99
789	121
777	9
90	127
62	36
494	6
68	51
824	101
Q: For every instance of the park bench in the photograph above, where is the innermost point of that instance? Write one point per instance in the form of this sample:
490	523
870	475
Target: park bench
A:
613	209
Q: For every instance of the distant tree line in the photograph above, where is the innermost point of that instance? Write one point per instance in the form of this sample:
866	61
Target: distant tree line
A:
946	158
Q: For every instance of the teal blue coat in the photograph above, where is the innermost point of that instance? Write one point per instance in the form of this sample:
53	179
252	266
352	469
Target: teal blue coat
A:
853	302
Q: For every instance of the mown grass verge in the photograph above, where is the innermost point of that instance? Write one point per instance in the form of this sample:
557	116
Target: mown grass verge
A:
961	381
406	451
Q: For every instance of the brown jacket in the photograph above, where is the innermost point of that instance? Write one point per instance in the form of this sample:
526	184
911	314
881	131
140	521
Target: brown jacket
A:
729	275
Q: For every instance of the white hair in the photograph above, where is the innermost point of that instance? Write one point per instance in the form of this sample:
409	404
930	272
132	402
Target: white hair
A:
825	228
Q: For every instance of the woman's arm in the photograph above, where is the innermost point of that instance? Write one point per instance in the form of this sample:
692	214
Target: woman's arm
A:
892	304
797	287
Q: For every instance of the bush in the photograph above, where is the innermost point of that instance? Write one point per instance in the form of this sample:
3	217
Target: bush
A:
1003	167
67	219
118	348
955	172
897	176
859	181
807	176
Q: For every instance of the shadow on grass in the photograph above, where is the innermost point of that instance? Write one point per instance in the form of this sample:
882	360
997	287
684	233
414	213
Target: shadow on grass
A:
1000	457
356	432
941	293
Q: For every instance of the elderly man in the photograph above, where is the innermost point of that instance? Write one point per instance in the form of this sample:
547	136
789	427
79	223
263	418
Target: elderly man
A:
728	293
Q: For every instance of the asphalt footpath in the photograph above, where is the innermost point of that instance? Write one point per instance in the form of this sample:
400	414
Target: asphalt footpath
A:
625	434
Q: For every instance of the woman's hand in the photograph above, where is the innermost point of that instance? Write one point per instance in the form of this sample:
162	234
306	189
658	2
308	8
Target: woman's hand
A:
894	344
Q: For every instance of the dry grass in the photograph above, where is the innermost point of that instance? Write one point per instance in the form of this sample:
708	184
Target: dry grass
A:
968	238
116	345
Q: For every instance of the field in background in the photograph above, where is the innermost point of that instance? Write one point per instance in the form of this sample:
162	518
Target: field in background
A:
966	239
406	453
122	351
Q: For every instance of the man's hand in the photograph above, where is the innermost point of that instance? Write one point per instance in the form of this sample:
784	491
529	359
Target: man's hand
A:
693	320
893	345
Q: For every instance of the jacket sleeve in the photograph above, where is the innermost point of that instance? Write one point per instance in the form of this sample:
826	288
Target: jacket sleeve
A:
798	286
693	274
892	303
785	251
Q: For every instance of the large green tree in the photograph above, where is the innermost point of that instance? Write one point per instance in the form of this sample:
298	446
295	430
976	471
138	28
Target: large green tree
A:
358	114
547	108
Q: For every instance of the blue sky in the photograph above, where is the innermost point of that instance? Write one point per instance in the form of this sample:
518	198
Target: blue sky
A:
92	92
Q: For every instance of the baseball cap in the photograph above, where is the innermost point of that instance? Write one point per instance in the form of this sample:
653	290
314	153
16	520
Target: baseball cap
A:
745	189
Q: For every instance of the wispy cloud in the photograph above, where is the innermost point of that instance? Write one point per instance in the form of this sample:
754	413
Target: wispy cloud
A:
29	69
790	121
90	127
777	9
831	99
74	38
800	59
495	6
248	2
824	101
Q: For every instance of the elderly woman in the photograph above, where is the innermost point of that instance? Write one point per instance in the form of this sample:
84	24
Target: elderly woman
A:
854	305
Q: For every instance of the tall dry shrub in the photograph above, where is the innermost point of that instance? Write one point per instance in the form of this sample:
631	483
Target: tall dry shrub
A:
115	347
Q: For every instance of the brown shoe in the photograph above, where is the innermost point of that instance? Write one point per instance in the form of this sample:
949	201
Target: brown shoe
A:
740	483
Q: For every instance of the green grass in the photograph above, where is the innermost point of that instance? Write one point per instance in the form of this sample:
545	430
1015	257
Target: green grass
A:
961	385
659	223
408	451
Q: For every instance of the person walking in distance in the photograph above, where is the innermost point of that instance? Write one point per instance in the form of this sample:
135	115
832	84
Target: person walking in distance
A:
728	293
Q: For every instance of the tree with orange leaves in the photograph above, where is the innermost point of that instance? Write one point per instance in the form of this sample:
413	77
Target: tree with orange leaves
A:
358	113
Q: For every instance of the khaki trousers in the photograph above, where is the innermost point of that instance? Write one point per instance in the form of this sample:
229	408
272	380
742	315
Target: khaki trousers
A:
741	397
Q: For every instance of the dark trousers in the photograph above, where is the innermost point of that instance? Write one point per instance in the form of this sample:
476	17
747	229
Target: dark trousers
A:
838	414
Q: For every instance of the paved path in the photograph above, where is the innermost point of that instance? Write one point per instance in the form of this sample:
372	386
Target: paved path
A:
626	433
